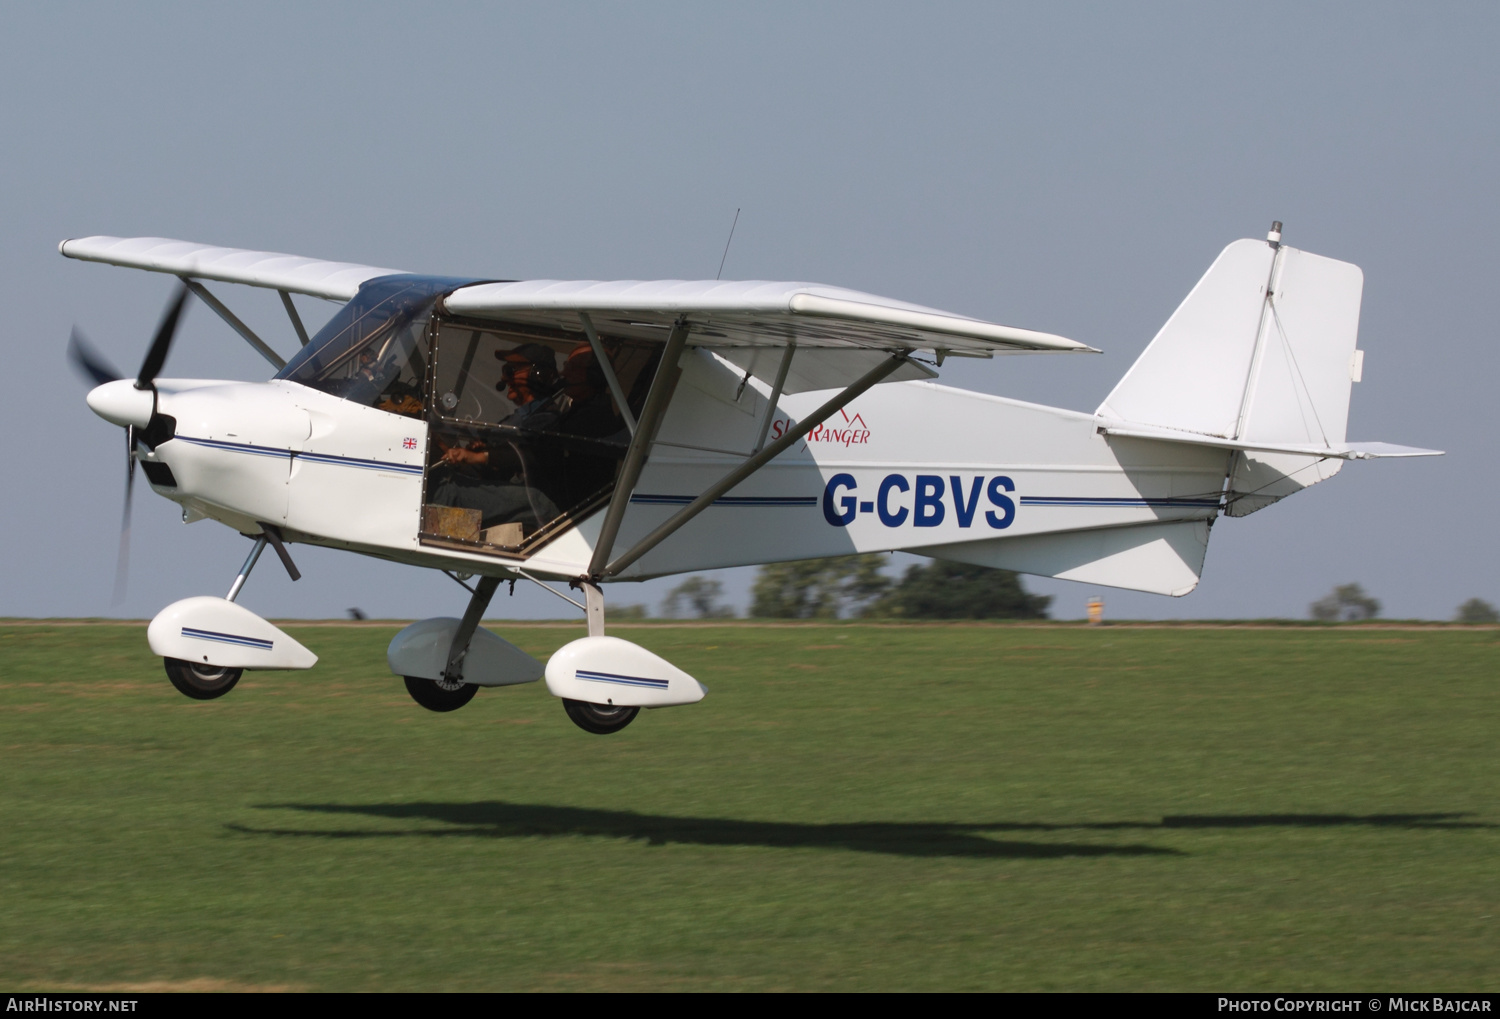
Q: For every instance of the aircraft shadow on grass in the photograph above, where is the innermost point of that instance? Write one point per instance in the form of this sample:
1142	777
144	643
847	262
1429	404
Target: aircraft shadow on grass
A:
930	839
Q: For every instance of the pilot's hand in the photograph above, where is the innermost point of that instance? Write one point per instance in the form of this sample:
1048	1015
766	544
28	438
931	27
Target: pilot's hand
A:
456	455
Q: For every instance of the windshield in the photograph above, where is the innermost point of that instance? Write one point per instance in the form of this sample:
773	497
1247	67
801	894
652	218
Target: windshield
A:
374	350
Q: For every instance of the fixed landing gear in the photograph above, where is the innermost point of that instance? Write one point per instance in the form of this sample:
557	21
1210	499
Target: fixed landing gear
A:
450	692
223	622
600	719
201	682
440	694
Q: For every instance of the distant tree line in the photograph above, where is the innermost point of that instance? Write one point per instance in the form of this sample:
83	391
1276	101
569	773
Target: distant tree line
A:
856	585
1349	603
696	598
1477	610
1346	603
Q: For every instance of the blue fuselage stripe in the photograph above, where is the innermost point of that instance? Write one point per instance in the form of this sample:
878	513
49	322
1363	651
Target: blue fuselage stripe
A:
1134	501
728	500
321	458
1026	500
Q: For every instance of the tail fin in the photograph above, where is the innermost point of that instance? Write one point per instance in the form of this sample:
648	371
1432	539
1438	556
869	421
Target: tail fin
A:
1259	358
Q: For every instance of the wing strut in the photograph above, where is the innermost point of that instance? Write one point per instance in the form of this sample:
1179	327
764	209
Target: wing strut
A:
743	471
234	323
291	312
662	387
775	398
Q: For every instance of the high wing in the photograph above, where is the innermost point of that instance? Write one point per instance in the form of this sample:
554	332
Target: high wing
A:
335	281
838	334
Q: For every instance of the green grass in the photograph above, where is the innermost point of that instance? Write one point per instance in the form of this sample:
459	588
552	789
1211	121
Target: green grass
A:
852	807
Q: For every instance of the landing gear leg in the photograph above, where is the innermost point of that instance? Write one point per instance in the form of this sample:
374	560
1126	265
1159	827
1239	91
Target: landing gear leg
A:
593	608
600	719
199	680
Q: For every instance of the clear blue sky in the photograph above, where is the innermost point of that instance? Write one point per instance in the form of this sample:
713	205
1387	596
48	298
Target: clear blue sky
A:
1067	167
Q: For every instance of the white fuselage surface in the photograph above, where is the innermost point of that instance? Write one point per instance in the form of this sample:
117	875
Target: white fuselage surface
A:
911	466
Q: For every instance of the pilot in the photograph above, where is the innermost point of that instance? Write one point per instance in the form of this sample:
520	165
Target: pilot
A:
500	478
530	379
529	375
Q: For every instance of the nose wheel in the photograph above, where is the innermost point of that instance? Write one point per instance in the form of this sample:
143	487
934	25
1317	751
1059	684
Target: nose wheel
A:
199	681
600	719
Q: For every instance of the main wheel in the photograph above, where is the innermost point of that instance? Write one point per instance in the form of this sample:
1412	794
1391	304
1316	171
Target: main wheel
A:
201	682
600	719
440	694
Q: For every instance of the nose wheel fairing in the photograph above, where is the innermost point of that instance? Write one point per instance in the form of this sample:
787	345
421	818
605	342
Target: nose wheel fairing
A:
217	633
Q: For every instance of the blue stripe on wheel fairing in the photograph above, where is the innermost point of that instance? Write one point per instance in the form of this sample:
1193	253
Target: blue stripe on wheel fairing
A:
618	680
227	638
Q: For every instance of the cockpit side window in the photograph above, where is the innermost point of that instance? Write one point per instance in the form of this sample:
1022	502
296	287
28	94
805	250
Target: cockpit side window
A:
524	435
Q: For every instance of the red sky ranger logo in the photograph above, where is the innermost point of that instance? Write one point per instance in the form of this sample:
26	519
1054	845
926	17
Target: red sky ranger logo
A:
851	431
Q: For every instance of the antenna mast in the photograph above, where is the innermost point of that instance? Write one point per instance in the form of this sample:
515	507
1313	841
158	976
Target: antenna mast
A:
720	273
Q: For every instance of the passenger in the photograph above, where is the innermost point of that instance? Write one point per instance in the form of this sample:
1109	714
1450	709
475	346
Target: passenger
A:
577	472
590	411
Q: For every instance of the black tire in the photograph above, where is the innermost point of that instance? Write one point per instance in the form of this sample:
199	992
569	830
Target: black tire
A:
201	682
600	719
431	695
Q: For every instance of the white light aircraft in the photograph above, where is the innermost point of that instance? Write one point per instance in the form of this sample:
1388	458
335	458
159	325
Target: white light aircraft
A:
598	432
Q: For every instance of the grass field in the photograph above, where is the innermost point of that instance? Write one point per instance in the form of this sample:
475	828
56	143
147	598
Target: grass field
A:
852	807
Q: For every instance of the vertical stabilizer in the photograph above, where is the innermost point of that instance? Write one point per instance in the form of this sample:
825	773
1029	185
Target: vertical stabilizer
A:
1262	350
1192	375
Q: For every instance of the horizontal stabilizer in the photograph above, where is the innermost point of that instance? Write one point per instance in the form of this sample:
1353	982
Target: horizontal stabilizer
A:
1376	450
1341	451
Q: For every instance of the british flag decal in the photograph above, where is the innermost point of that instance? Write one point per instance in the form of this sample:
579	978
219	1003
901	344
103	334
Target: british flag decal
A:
409	443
